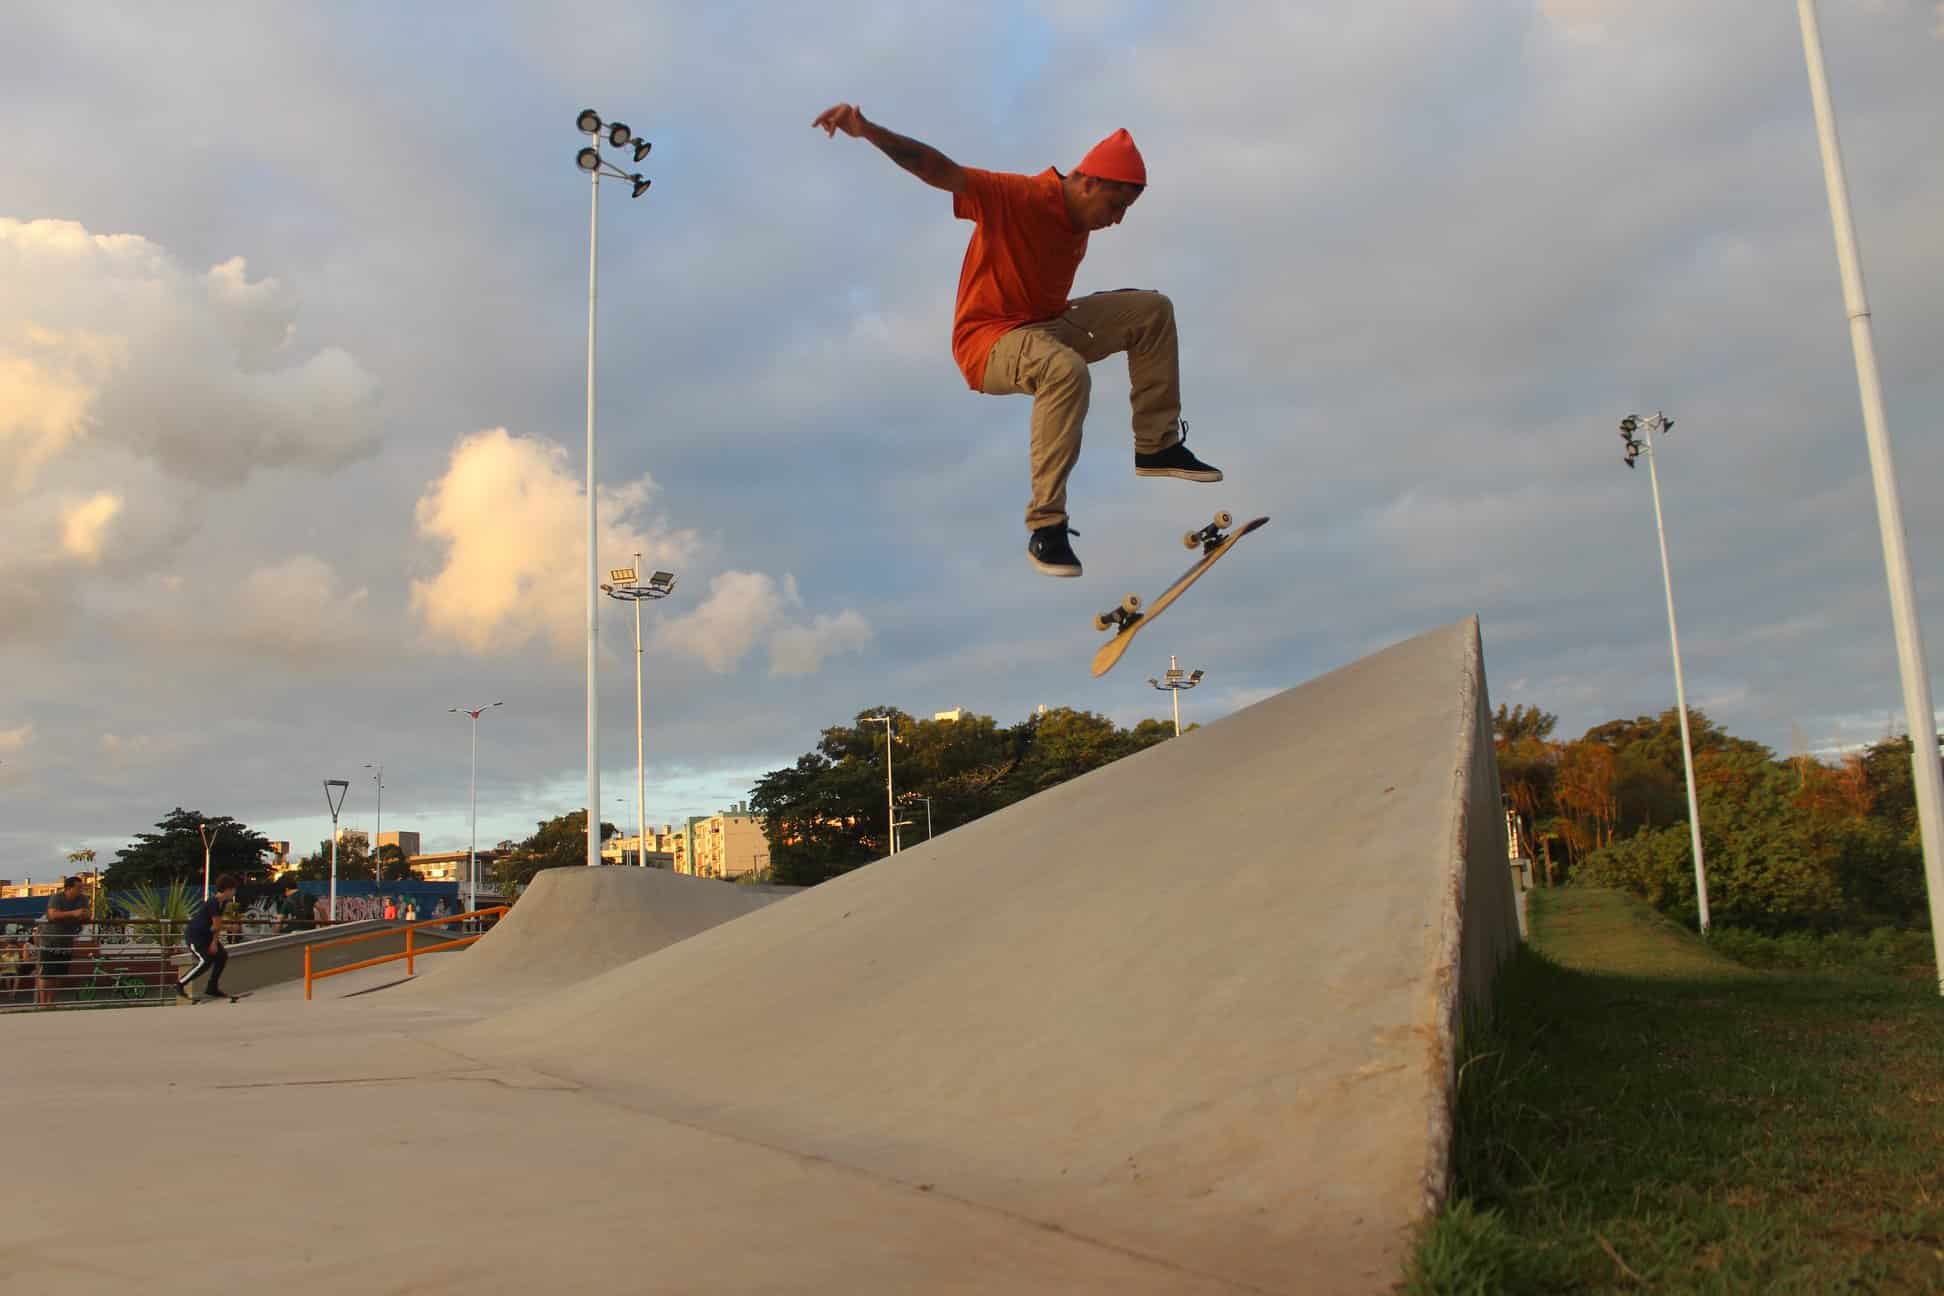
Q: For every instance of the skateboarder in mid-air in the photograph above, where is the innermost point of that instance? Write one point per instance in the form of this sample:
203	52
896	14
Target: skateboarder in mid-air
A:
1015	331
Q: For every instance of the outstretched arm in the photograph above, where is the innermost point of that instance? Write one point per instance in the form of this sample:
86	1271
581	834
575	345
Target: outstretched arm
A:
922	160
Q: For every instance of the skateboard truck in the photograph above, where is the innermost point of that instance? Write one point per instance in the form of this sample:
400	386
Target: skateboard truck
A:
1126	614
1211	535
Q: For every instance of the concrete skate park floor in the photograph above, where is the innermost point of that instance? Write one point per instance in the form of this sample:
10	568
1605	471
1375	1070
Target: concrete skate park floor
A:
1071	1047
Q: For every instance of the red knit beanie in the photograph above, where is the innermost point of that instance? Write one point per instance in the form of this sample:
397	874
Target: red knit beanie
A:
1115	158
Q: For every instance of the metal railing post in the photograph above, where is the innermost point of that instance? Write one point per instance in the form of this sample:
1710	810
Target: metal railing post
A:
307	973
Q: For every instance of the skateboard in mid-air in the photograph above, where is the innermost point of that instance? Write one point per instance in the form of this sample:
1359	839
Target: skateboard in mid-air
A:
1213	540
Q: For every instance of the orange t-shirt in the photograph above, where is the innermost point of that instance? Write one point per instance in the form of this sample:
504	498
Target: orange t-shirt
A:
1019	265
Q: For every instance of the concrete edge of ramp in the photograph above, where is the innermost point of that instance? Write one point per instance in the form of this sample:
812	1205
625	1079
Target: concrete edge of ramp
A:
1481	925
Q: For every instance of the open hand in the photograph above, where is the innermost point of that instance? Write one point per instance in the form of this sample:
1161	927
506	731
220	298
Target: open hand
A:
848	118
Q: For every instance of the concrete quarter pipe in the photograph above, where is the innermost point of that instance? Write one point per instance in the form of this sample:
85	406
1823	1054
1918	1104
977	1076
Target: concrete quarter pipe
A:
1183	1025
1197	1005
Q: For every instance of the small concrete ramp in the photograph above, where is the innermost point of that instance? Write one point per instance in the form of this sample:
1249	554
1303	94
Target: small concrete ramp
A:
1197	1007
575	923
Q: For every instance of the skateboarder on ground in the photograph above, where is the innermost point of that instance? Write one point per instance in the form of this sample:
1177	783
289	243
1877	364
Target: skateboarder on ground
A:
205	944
1015	330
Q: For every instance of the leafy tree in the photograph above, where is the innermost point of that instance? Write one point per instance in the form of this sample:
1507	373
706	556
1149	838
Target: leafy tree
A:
826	814
1521	724
353	859
391	862
559	842
175	854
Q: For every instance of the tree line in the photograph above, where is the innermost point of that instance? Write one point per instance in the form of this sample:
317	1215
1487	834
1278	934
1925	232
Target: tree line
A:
826	814
1787	843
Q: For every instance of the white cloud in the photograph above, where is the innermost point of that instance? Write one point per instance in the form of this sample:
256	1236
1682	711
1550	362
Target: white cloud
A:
743	608
510	515
108	337
297	609
800	650
84	526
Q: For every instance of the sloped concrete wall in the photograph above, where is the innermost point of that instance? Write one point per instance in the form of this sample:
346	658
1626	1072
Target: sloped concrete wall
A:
1200	1005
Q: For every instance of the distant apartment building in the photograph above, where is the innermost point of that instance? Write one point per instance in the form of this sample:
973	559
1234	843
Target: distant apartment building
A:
729	844
28	890
448	866
407	842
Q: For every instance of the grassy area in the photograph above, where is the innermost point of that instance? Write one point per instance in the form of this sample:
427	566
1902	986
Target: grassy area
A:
1647	1115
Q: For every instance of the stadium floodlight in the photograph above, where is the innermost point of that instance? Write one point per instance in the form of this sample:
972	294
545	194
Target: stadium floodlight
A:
1637	446
618	134
589	122
641	148
1173	682
588	159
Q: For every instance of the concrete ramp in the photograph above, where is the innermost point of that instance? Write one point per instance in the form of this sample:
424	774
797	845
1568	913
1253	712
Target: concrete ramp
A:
1196	1008
575	923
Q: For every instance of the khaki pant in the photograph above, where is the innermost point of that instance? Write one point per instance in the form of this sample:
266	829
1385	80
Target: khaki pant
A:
1048	361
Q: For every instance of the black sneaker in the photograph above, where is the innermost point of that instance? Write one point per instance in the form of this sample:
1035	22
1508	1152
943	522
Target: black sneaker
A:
1050	551
1176	461
183	994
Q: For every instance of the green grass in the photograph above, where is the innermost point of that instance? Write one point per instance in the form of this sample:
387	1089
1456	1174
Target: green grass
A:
1645	1114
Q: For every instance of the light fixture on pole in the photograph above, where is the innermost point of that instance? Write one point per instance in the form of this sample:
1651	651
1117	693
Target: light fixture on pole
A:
1635	447
343	787
1926	773
472	804
208	840
1173	682
378	830
623	586
590	160
890	798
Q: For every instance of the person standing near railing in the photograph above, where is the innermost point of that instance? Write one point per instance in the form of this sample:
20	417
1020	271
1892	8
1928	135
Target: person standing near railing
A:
206	945
66	911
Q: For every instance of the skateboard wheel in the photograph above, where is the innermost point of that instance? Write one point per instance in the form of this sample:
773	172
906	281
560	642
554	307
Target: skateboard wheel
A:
1224	520
1132	603
1192	540
1102	620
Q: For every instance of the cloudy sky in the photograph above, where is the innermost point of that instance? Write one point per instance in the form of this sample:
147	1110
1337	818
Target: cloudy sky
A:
292	361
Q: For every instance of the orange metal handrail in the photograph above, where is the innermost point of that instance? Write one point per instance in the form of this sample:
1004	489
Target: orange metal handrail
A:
410	953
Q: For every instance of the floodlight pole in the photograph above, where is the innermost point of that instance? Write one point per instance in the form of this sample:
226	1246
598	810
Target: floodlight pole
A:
343	787
1628	426
890	797
1918	710
378	830
627	586
589	159
1174	682
472	805
593	565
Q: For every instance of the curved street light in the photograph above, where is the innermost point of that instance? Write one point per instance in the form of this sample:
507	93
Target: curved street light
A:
472	803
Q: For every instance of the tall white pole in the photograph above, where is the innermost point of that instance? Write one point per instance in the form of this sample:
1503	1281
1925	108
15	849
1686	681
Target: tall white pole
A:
1177	704
1922	718
334	837
890	796
472	819
378	835
593	563
641	751
1680	686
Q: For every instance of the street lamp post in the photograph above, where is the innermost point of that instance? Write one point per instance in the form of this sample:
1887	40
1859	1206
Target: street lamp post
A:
913	796
472	804
343	789
660	585
1174	682
1926	772
598	168
1635	447
378	831
208	840
890	797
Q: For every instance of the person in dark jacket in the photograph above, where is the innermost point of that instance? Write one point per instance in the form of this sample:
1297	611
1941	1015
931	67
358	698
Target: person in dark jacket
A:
206	945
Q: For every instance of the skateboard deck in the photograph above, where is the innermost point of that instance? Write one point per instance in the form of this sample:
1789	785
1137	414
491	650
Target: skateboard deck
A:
231	998
1214	540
